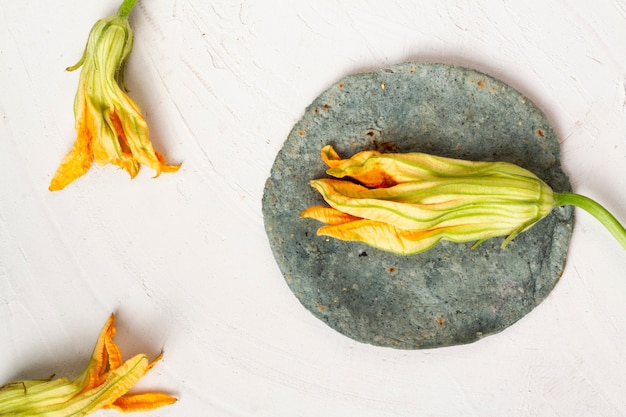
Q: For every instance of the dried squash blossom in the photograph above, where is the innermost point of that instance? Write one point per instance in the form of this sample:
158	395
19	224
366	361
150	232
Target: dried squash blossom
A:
102	385
109	124
409	202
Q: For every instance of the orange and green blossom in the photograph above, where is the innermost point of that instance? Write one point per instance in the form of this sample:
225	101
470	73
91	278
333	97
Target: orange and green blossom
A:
406	203
102	385
109	124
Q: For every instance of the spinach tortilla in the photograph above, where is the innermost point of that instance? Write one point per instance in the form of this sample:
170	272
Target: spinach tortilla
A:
449	294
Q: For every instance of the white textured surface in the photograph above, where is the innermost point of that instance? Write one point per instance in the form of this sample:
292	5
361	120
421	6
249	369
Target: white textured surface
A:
183	259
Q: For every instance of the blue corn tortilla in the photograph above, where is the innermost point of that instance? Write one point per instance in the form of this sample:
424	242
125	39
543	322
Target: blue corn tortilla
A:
449	294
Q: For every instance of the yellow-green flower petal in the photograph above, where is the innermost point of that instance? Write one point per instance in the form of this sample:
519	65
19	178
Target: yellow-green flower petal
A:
375	170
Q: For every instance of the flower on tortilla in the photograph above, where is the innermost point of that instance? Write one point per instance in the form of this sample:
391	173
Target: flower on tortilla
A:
406	203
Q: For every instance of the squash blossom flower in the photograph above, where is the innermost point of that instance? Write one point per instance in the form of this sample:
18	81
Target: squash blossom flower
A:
102	385
109	124
406	203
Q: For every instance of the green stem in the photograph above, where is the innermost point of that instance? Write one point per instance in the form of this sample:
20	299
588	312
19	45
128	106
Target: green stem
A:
125	8
596	210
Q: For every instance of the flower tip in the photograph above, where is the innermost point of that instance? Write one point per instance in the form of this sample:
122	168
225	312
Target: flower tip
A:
75	66
155	360
329	154
163	167
316	183
167	169
308	213
59	182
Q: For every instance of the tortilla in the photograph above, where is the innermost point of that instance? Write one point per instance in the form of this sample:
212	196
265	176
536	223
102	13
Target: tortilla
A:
449	294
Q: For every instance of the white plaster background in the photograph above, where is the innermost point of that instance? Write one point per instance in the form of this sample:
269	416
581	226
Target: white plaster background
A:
183	259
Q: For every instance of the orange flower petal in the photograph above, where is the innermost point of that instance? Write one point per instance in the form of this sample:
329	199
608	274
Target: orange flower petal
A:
112	351
98	364
142	402
77	162
384	236
328	215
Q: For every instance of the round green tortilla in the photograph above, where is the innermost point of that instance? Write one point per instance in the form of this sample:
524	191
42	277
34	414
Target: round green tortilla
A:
449	294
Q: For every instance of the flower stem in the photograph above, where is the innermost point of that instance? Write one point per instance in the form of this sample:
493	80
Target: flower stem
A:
125	8
596	210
